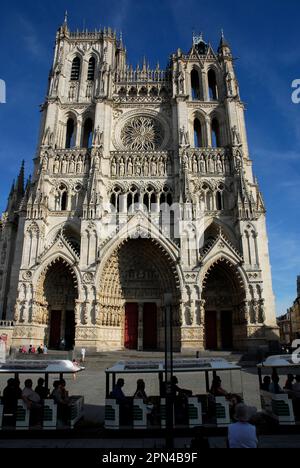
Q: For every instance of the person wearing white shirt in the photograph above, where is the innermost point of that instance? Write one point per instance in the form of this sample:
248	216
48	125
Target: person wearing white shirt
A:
242	434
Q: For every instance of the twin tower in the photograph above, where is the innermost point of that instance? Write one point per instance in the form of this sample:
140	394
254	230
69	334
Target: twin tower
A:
142	196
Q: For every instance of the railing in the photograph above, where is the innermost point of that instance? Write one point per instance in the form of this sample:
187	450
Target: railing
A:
97	34
6	324
144	75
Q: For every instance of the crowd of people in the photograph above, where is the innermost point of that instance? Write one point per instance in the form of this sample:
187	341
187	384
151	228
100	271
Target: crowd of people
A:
42	349
291	387
180	398
34	399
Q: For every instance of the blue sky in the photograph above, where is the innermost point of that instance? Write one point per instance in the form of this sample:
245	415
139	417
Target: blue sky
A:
264	36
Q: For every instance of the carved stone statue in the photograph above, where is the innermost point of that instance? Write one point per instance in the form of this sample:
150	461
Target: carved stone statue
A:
255	311
57	73
195	166
72	166
98	137
180	82
236	138
231	91
261	314
97	162
122	168
188	315
202	165
45	162
48	139
146	168
113	168
138	168
161	168
184	137
153	168
64	166
219	165
130	168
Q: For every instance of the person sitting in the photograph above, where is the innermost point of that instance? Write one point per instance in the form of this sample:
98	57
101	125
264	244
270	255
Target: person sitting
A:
140	394
61	397
140	391
289	383
265	386
41	390
125	404
55	389
274	386
216	388
180	396
177	391
30	349
117	392
296	387
11	394
40	349
242	434
33	402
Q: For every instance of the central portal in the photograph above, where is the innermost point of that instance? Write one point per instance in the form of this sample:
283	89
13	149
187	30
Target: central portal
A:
135	280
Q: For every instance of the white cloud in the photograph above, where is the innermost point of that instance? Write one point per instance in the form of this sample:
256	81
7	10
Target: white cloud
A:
31	38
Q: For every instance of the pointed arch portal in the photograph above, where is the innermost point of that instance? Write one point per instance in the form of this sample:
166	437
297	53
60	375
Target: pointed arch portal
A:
224	295
136	277
58	285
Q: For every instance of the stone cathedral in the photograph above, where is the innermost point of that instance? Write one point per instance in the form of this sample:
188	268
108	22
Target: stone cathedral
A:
142	196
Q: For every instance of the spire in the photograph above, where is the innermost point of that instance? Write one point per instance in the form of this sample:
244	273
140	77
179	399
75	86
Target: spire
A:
64	27
20	180
144	64
121	40
223	43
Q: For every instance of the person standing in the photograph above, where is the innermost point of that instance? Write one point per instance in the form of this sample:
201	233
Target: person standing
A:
242	434
83	351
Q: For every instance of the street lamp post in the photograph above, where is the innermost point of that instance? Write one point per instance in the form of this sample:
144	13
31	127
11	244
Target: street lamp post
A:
169	371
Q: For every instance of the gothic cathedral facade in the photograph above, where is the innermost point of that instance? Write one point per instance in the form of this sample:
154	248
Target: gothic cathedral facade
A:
142	196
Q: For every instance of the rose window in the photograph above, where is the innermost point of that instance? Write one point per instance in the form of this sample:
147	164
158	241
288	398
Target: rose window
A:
142	134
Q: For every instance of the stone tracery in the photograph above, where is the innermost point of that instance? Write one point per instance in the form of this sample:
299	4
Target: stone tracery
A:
142	133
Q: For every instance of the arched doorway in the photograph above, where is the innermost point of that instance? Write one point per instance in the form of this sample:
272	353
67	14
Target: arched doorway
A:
60	293
134	281
224	296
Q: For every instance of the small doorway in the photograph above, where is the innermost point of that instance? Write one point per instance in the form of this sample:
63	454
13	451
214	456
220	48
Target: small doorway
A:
226	330
150	326
211	334
131	326
55	325
70	329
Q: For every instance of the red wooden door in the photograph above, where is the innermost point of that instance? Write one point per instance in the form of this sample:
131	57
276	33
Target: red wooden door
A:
55	323
150	326
131	326
226	327
211	337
